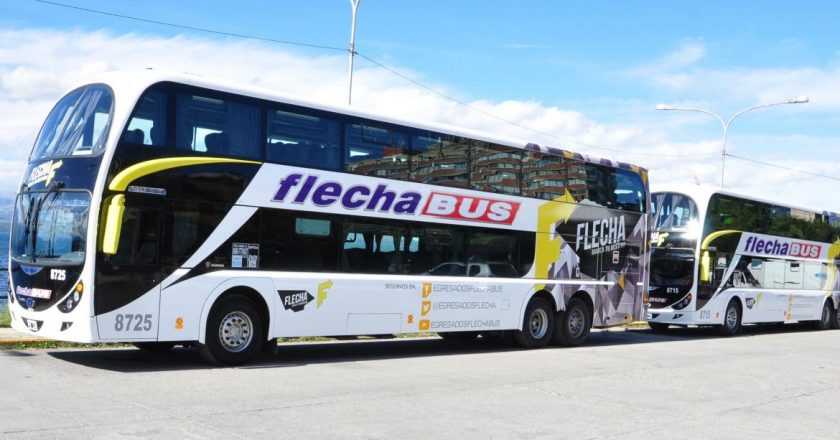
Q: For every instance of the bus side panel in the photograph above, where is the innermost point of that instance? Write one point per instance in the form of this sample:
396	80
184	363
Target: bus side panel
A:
136	321
346	304
185	306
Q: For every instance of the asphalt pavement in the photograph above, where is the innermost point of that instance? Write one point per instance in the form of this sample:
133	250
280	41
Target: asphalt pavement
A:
769	383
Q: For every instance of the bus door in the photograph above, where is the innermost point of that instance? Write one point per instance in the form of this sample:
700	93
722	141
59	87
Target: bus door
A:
127	295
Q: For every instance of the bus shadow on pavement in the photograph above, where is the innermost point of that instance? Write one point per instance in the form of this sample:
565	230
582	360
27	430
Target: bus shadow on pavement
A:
130	360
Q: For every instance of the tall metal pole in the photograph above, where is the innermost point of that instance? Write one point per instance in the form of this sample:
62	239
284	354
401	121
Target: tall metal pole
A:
726	124
355	5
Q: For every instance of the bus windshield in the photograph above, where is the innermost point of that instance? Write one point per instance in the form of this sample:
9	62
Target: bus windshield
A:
671	268
673	212
50	228
77	125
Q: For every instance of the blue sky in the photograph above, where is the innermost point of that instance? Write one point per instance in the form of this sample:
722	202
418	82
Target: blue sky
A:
584	71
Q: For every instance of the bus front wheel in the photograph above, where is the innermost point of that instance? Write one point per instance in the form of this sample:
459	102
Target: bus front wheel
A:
234	332
731	319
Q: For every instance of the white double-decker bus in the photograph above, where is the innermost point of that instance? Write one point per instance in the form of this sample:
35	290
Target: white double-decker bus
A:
720	258
160	209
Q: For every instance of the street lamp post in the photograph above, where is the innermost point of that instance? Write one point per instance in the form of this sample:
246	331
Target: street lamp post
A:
354	4
726	124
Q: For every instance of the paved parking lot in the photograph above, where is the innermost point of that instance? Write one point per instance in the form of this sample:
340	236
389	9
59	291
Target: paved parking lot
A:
766	384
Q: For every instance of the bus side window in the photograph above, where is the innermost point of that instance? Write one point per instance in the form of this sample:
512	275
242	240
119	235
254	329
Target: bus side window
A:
495	168
375	151
440	160
298	139
232	128
138	238
629	193
545	176
148	123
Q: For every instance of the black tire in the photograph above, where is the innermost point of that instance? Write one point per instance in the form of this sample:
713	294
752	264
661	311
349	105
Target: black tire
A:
573	324
234	332
154	347
827	317
731	319
537	324
659	327
459	336
835	323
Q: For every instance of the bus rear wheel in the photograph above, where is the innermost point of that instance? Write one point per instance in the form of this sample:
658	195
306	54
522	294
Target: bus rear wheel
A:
537	325
731	319
234	332
835	323
573	324
827	317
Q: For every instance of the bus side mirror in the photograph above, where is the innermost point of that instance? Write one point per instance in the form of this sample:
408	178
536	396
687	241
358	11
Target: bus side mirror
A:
113	224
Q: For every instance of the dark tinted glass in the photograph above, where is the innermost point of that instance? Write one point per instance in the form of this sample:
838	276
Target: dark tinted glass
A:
375	151
186	227
489	249
217	127
148	123
440	160
545	176
299	242
298	139
496	168
630	192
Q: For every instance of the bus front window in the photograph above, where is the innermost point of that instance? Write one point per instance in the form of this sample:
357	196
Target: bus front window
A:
50	228
77	125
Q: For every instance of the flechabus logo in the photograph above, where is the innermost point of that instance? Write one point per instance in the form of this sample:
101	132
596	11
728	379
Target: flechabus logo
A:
299	189
781	247
470	208
328	193
601	235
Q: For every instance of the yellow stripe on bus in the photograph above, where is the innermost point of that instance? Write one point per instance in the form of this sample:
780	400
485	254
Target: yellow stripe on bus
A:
136	171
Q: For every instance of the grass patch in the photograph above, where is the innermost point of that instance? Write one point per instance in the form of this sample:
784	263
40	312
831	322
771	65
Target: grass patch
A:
49	344
5	318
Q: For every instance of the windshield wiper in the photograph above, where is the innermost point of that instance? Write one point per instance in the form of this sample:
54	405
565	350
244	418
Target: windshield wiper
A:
56	185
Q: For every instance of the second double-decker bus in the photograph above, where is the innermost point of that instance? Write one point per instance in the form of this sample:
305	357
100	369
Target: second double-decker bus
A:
160	209
724	259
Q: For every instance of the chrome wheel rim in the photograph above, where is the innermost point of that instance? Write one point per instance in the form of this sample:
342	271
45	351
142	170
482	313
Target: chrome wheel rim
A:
538	324
576	323
236	331
732	317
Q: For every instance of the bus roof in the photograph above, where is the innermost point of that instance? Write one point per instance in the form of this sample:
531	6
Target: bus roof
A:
703	192
135	82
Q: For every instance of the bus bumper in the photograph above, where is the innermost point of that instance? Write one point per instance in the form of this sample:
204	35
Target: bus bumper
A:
52	324
669	316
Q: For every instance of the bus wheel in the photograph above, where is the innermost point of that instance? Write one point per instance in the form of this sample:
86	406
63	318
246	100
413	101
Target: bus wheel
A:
658	327
234	332
827	318
731	319
154	347
459	336
538	325
835	323
573	324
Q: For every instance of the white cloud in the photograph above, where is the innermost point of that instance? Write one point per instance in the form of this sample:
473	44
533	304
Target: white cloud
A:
36	66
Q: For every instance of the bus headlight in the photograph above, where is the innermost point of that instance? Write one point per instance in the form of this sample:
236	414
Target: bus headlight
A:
683	303
72	299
